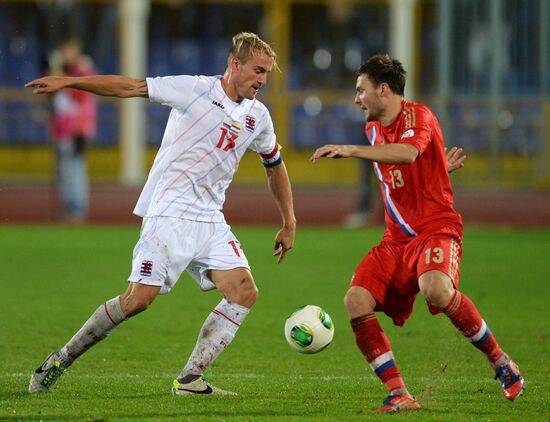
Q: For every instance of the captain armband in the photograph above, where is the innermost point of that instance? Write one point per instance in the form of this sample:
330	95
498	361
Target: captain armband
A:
272	159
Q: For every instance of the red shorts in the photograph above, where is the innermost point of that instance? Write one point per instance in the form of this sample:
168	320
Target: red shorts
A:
391	270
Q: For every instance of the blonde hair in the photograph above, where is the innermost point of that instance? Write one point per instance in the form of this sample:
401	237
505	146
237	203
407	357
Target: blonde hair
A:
244	45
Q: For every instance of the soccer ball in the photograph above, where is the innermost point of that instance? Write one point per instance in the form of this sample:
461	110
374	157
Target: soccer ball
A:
309	329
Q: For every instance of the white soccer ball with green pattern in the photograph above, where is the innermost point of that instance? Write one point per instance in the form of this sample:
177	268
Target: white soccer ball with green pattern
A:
309	329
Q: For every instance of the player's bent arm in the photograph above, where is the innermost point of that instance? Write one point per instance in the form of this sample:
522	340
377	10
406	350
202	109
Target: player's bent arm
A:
105	85
279	184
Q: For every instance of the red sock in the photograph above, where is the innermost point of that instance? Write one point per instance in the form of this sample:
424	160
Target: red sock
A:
464	315
376	348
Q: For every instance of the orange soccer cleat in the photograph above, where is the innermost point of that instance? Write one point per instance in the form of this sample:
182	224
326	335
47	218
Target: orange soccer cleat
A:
510	380
398	403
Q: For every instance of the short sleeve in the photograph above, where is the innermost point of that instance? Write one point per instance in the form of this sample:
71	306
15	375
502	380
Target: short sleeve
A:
266	141
173	91
418	129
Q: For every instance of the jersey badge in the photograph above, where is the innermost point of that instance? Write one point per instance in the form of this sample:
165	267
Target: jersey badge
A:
232	126
146	268
408	134
250	123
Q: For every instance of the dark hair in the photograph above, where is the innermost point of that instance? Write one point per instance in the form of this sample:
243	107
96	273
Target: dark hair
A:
382	68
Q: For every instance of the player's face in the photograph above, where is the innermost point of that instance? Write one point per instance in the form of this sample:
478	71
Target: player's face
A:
368	98
249	77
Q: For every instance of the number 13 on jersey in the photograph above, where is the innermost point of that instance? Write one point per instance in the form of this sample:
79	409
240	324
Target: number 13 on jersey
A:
396	179
230	132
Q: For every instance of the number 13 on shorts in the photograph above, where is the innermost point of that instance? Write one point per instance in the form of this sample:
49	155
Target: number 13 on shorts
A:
442	254
436	255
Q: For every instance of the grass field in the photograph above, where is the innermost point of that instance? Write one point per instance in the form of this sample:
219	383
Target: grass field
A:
53	278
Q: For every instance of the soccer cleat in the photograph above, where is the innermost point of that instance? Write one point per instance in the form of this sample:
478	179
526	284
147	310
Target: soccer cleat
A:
510	380
198	386
47	374
398	403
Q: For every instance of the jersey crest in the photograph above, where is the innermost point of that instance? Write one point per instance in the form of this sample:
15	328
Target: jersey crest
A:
408	134
250	123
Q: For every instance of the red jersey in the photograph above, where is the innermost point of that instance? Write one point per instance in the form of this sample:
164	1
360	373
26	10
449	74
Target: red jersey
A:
417	196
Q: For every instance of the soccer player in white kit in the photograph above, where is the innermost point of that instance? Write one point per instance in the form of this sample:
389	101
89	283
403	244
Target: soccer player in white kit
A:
213	121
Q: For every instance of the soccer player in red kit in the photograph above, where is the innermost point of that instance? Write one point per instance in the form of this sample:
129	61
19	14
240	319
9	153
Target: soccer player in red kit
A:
422	244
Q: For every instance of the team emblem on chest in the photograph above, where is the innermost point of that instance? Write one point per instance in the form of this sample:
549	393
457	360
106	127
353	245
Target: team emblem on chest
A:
250	123
229	133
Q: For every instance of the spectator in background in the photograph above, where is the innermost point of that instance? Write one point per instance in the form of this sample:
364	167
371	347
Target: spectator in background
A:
72	126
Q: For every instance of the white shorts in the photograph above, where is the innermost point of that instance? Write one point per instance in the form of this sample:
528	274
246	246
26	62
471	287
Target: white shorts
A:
167	246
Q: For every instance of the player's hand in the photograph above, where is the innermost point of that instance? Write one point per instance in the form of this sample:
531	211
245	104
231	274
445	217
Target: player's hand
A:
284	241
332	151
47	84
455	159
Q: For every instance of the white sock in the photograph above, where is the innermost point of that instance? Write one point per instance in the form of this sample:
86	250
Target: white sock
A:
104	320
216	333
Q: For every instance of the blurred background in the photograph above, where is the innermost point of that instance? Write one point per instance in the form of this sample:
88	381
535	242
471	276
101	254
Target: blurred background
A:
483	66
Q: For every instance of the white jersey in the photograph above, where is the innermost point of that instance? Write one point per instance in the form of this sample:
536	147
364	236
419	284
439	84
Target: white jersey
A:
205	138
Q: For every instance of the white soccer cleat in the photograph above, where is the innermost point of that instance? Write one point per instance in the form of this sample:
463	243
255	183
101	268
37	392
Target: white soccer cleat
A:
198	386
47	374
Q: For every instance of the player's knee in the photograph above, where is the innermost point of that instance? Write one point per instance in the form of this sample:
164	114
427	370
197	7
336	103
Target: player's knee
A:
250	292
137	299
134	305
358	301
349	301
245	293
437	288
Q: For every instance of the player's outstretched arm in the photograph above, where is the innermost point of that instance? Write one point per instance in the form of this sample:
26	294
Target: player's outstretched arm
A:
455	159
106	85
333	151
279	184
401	153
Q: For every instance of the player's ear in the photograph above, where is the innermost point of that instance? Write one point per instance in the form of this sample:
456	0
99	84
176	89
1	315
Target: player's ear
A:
235	63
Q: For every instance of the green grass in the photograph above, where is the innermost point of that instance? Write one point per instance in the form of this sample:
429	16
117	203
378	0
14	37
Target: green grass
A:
53	278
